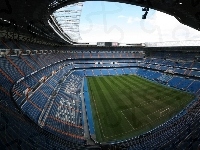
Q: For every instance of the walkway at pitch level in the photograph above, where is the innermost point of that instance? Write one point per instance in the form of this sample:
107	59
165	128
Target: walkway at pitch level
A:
87	133
89	110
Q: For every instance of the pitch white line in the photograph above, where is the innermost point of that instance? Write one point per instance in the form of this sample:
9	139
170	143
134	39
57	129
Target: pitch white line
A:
98	114
127	120
148	117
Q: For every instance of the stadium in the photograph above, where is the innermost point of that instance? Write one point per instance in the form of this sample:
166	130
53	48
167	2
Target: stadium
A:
57	93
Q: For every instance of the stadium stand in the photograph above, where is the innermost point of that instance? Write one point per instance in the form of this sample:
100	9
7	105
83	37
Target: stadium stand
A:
52	110
42	76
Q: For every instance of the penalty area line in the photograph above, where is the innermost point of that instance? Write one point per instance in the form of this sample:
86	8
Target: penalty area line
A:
149	117
127	120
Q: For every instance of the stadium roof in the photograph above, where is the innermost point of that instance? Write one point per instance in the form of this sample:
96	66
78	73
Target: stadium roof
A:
173	43
31	18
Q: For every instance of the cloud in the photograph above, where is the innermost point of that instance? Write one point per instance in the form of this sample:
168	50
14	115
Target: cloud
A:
168	28
158	27
132	20
121	16
129	19
98	34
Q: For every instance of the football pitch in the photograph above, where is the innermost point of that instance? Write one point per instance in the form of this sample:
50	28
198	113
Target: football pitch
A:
128	105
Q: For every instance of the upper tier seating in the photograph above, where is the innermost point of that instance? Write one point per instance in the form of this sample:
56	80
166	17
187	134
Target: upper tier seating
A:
55	105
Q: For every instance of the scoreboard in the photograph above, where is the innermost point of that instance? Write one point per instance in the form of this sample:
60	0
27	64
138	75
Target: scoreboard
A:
115	44
100	43
107	44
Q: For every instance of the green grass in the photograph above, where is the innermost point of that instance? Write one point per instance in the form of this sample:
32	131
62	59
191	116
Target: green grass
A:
125	106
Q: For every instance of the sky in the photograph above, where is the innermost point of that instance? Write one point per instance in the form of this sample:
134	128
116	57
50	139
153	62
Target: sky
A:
123	23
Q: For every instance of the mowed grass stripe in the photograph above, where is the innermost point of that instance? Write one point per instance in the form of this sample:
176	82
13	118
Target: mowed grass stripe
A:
96	108
135	123
147	109
119	124
119	89
154	97
138	95
141	113
104	110
131	97
160	93
110	123
132	100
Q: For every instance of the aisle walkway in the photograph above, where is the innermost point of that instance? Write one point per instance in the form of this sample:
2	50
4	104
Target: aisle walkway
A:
85	122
